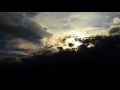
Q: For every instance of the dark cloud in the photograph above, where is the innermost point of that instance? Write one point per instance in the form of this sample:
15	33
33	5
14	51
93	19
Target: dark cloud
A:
20	25
115	30
99	61
17	26
3	45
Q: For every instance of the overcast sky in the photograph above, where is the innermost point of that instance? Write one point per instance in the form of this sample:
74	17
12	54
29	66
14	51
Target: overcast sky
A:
20	32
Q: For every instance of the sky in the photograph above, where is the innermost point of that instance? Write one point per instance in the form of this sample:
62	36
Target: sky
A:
25	33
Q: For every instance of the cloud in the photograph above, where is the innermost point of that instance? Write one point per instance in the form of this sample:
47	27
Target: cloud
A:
26	29
23	47
19	47
116	20
75	20
115	30
21	25
20	32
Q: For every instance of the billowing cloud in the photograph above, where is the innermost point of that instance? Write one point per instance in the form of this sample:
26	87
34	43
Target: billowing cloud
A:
21	25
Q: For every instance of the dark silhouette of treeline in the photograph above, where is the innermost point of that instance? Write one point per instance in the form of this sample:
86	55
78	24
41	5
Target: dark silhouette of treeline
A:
100	61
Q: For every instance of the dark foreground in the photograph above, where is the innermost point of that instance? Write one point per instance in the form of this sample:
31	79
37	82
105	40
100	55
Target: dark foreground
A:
91	64
100	61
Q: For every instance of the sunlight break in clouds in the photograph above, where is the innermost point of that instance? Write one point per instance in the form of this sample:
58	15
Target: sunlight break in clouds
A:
40	31
81	24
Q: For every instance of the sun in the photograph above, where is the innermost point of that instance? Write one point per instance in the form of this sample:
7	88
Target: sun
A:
70	40
74	42
66	41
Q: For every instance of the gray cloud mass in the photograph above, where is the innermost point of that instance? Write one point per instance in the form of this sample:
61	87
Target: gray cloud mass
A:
20	25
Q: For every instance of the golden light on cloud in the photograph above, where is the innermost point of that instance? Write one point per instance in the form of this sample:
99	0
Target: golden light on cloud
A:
76	33
66	40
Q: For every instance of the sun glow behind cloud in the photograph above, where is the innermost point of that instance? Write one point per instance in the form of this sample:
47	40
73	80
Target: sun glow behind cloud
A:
64	40
27	28
75	25
74	42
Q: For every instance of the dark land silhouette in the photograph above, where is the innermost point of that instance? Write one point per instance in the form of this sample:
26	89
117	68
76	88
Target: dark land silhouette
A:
100	61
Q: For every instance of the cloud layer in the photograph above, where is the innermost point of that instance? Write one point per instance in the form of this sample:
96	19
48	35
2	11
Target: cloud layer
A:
22	32
21	26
